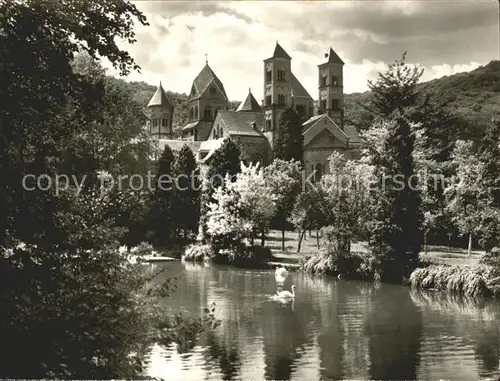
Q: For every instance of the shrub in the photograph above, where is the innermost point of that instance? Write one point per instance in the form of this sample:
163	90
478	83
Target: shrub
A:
460	280
244	256
492	258
352	265
198	253
144	248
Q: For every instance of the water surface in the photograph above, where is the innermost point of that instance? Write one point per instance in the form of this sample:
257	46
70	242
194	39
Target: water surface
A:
335	329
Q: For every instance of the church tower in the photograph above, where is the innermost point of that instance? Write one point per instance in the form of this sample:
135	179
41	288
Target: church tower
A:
160	114
331	90
277	88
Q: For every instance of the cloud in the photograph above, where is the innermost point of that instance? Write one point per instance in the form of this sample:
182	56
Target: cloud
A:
443	37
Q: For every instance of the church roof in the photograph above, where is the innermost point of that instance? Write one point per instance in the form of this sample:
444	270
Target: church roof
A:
297	89
160	98
240	123
204	79
332	57
311	127
202	128
279	52
249	104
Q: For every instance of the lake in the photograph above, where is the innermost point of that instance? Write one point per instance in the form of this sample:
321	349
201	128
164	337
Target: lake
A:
335	329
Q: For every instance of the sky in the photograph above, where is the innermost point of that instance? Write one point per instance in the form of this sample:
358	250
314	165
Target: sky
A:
443	37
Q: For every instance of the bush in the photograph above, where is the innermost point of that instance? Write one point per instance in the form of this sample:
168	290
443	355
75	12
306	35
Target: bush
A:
198	253
353	265
492	259
460	280
244	256
144	248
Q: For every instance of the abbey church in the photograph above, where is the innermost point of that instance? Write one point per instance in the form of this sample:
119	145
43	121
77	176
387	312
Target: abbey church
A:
252	125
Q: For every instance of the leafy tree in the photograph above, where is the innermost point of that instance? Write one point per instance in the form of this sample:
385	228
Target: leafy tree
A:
489	155
311	210
464	196
394	90
396	233
224	162
288	138
117	138
348	186
284	179
241	208
60	267
186	207
164	223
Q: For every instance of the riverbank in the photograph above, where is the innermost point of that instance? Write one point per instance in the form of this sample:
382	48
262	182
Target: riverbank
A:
450	271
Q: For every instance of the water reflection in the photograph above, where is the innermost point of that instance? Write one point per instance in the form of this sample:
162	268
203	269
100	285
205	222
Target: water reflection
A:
394	347
333	329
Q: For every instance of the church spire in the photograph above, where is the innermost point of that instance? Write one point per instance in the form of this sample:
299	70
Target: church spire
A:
249	104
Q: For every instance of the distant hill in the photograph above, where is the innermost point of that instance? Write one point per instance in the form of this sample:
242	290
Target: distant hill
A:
474	96
142	93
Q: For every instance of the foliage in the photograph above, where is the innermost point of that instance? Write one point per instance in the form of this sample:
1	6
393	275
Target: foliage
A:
288	138
117	140
464	195
162	203
394	90
284	179
60	268
242	255
459	280
224	162
396	229
351	265
132	211
241	208
186	206
198	253
310	211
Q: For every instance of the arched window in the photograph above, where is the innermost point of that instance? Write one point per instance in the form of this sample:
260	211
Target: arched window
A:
317	172
164	122
221	132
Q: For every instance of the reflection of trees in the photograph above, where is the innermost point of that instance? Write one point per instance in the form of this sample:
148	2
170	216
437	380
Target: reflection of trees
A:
475	320
342	345
287	332
394	327
228	358
284	334
487	349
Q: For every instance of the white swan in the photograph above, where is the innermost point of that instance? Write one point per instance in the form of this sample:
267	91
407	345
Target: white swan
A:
286	294
280	274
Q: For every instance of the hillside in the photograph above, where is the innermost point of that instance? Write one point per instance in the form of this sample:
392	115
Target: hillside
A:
143	92
474	96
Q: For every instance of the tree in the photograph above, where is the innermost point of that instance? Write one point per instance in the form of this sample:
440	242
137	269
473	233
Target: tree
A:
396	232
241	208
60	267
288	138
224	162
395	89
311	210
164	223
186	207
284	180
464	195
347	185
